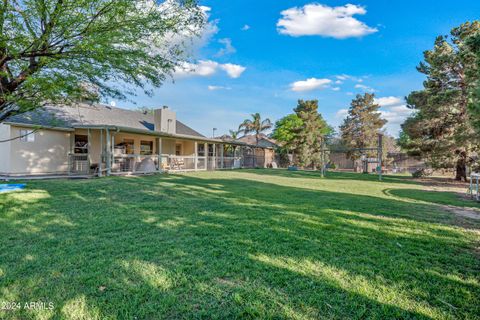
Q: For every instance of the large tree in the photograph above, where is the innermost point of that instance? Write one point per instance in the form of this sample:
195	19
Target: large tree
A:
310	135
473	44
58	51
285	131
441	129
362	125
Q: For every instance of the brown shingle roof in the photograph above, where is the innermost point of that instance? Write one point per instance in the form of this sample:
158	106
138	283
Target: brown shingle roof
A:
263	141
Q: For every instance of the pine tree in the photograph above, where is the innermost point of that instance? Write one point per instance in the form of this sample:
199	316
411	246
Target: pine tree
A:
441	129
363	124
309	137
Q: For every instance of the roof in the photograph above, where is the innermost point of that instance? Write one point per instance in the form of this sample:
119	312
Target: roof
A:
263	141
84	115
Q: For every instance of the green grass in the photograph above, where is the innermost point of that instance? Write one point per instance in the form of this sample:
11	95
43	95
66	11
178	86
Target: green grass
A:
237	244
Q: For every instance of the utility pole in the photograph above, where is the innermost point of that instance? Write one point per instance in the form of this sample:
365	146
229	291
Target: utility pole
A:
323	156
380	150
214	129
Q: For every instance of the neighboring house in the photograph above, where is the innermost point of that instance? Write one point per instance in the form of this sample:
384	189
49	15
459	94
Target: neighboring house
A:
265	152
86	139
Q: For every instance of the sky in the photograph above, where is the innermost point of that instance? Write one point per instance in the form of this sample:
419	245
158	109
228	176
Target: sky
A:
262	56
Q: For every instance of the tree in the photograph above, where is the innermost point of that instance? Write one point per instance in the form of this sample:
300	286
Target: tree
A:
473	44
309	136
285	131
441	129
361	127
60	51
233	134
255	125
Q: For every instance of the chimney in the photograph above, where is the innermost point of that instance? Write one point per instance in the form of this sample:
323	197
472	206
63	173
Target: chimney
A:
165	120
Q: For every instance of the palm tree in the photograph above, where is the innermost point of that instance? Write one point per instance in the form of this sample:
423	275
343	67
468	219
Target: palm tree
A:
234	134
256	125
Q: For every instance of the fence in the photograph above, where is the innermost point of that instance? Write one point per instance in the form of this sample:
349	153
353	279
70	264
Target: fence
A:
392	163
183	163
134	163
78	164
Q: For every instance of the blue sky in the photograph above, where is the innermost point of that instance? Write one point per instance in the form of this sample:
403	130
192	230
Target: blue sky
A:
262	56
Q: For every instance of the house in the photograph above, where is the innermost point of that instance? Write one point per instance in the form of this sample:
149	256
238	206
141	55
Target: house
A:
265	153
93	139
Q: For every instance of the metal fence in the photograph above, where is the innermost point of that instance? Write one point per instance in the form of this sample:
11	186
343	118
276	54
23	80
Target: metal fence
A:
78	164
135	163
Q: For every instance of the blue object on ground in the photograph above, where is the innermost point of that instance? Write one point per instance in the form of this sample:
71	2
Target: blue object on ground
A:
11	187
292	168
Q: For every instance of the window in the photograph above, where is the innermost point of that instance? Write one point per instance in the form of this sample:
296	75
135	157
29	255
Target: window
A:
178	149
81	144
146	147
27	135
201	150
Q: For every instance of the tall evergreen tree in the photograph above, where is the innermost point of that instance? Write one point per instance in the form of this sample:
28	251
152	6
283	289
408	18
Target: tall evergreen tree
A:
361	127
309	136
473	44
441	128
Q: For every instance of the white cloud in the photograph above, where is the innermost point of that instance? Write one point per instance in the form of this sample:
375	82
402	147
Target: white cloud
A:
192	39
394	110
364	88
233	70
246	27
215	88
203	68
318	19
343	77
339	82
336	88
342	113
228	49
206	68
388	101
310	84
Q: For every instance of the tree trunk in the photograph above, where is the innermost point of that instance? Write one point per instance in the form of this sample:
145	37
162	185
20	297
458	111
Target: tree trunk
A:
461	169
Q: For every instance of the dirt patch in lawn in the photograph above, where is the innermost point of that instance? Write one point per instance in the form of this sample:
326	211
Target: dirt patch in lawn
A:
471	213
444	184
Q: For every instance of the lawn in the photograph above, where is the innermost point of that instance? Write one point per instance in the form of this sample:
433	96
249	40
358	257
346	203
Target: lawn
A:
238	244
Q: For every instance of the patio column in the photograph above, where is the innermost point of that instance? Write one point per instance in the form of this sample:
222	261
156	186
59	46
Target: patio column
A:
214	156
196	156
100	163
221	155
205	153
89	134
108	152
159	151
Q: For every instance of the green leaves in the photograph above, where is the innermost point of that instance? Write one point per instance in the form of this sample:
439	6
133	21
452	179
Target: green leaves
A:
49	47
446	110
310	135
362	125
285	130
254	125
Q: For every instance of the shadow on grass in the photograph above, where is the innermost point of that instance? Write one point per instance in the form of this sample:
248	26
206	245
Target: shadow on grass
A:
434	197
190	247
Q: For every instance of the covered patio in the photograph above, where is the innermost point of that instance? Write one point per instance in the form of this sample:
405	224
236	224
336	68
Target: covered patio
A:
113	150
